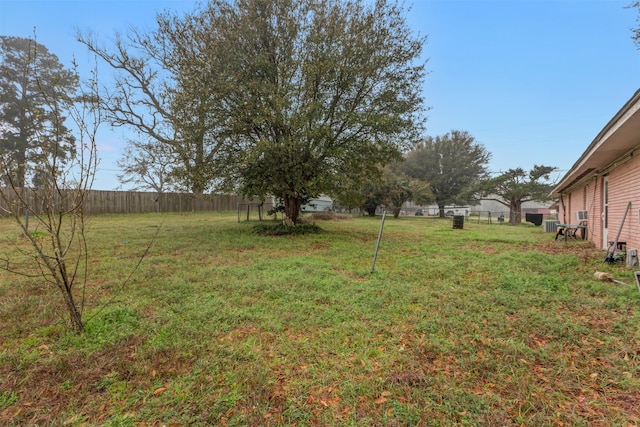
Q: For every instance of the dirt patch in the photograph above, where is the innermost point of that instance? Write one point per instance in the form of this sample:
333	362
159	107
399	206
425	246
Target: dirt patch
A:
582	250
414	379
629	403
61	382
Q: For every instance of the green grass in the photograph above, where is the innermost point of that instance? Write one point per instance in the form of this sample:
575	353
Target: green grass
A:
489	325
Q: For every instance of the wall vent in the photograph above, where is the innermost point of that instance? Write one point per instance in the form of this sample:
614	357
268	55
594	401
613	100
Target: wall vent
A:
582	216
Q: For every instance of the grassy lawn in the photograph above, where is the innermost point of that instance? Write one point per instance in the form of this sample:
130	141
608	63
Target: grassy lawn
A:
491	325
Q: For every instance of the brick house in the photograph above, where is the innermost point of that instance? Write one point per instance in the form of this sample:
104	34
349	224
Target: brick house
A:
602	182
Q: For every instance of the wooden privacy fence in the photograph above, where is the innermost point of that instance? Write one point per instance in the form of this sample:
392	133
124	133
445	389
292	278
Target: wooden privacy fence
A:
123	202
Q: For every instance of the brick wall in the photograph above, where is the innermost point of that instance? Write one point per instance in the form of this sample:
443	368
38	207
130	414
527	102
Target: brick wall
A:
624	187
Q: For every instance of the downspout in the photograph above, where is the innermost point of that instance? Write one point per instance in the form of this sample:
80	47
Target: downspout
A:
592	209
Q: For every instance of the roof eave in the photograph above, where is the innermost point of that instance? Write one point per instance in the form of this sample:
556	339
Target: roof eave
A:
619	136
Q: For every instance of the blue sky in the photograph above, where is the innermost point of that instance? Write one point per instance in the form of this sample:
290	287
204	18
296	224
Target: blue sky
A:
534	81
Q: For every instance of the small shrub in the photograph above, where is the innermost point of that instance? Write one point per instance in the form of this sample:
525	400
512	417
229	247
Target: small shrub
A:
37	234
328	216
285	230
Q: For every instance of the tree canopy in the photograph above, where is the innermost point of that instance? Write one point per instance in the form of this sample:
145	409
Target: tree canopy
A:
391	189
284	98
516	186
36	92
452	164
636	31
397	188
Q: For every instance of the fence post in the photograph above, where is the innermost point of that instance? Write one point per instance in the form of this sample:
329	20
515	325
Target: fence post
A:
375	254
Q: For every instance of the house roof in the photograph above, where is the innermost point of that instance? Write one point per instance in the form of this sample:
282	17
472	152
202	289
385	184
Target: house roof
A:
618	138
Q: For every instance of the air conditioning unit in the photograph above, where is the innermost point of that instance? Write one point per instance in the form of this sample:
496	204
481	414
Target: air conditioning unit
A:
582	215
550	226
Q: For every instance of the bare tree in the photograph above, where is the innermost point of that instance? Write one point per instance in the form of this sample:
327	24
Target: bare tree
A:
147	166
148	97
52	218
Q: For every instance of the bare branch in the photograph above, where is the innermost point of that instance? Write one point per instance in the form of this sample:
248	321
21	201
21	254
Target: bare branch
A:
50	214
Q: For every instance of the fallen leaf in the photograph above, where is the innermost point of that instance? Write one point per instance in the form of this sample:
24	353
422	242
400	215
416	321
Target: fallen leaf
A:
380	400
159	390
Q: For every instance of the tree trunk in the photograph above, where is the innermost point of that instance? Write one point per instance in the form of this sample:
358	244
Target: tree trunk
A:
77	325
396	211
441	210
515	212
21	169
292	209
371	211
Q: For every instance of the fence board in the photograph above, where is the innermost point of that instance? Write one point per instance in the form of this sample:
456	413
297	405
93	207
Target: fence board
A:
123	202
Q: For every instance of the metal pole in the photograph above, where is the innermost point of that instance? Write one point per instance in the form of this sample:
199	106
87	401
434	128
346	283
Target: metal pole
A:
610	258
375	255
26	209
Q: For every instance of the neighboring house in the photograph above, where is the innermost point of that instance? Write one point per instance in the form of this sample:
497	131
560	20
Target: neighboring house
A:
483	208
489	204
320	204
409	208
605	178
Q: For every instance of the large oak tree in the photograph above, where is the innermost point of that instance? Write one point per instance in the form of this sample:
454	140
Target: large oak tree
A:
300	96
452	164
